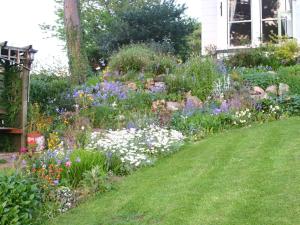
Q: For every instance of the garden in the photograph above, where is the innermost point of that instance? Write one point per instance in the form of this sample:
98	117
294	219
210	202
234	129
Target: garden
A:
143	107
154	133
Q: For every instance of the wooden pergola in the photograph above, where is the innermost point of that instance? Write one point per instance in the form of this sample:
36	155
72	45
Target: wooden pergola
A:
21	58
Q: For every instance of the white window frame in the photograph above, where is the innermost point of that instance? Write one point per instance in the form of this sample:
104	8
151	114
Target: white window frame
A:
239	21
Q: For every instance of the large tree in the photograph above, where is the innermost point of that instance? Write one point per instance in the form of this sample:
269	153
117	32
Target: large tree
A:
109	24
76	52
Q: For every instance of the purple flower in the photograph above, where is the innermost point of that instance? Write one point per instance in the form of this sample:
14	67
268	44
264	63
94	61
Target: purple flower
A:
224	106
217	111
130	125
78	160
56	182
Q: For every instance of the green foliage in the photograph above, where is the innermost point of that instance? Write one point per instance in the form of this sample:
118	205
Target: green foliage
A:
196	75
94	180
107	25
287	52
20	200
50	92
291	105
290	76
82	161
140	58
274	55
12	96
199	124
194	40
162	64
102	116
251	58
263	80
7	143
132	58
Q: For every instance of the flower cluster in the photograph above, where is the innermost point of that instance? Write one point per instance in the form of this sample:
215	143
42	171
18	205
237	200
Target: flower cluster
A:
100	93
66	198
50	166
136	147
242	117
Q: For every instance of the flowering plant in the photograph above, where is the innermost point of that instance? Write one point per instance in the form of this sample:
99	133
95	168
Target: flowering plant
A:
243	117
137	147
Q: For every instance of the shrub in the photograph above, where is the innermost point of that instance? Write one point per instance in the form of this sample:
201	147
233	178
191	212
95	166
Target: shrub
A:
290	76
50	92
162	64
134	57
196	75
102	116
274	55
198	124
291	105
20	200
262	80
250	58
287	52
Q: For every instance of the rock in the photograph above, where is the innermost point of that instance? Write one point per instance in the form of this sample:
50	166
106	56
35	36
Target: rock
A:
283	89
173	106
158	87
158	105
193	101
258	90
132	86
258	93
272	90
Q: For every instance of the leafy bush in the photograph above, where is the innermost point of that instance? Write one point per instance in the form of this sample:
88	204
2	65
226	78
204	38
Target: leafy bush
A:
102	116
287	52
250	58
290	76
199	124
262	80
196	75
20	200
50	92
274	55
134	57
81	162
291	105
94	180
162	64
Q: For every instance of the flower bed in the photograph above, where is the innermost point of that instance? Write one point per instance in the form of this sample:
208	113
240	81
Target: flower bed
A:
137	147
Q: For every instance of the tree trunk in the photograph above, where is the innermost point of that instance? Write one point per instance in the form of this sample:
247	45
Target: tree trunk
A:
78	62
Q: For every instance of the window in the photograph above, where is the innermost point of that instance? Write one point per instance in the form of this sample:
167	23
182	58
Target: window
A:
239	22
274	21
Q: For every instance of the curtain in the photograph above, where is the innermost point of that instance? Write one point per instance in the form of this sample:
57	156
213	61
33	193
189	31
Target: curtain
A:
232	8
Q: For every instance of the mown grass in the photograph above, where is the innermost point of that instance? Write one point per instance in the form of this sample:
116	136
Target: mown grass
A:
244	176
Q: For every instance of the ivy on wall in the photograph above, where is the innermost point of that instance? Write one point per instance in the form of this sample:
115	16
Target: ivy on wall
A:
12	96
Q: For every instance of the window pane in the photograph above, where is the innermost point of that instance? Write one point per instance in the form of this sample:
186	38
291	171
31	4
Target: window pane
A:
270	30
239	10
240	34
270	9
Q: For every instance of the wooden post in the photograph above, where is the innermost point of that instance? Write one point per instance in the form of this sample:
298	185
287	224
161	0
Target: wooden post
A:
25	86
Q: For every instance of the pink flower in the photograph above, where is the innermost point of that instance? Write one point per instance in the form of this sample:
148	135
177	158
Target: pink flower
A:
68	164
23	150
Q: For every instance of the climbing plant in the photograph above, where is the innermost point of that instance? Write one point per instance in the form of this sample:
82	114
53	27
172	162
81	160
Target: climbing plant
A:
12	96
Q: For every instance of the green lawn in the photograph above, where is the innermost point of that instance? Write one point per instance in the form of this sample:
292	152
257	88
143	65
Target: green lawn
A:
245	176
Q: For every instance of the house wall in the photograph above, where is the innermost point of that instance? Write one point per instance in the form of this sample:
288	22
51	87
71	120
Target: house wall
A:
209	23
296	19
